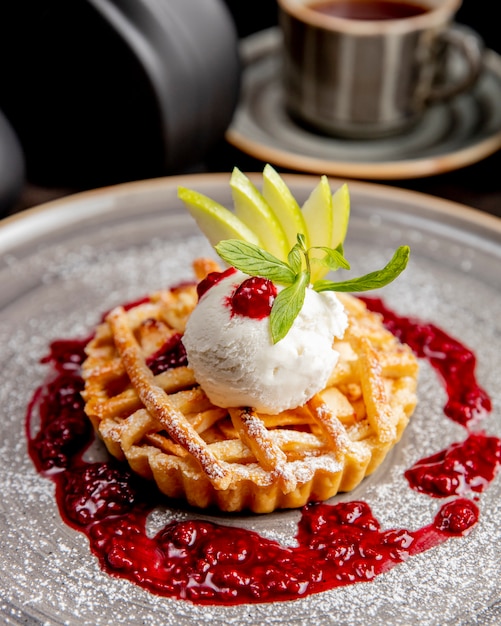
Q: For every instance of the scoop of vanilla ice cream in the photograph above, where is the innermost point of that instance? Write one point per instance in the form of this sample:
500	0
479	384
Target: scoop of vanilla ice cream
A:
236	363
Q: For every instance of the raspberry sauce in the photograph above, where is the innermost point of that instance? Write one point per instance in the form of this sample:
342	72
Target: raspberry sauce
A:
455	364
171	354
203	562
212	279
253	298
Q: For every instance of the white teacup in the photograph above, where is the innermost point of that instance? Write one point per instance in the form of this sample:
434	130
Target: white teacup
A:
370	68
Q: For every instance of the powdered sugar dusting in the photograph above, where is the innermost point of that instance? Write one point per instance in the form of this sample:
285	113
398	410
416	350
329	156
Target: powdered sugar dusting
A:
61	287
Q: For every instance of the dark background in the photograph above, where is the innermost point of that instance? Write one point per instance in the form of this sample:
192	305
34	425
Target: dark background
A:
51	149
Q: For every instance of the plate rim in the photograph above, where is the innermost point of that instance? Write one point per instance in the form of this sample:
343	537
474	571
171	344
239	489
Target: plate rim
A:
265	42
68	209
95	198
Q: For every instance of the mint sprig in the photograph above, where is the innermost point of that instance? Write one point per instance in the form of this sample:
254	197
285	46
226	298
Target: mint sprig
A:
255	261
295	275
373	280
287	305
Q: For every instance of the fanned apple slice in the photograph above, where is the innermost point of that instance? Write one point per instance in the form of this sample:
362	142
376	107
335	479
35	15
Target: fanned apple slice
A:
317	213
215	220
253	210
284	205
340	215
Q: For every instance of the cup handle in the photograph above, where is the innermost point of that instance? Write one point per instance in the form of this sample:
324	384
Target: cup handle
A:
469	46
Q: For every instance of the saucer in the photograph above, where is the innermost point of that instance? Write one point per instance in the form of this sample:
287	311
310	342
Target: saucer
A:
451	135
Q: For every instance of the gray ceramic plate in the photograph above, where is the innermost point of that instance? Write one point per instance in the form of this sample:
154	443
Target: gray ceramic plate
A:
451	135
63	264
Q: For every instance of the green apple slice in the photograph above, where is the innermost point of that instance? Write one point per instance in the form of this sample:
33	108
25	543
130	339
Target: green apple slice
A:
256	213
215	220
317	213
284	205
340	215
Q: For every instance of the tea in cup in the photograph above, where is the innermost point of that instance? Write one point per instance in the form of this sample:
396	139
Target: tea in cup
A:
370	68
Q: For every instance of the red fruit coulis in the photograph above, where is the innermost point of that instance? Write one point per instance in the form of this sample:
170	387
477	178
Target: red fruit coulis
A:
213	278
336	544
253	298
171	354
452	361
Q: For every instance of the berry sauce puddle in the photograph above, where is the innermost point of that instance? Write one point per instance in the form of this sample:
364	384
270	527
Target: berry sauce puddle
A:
210	563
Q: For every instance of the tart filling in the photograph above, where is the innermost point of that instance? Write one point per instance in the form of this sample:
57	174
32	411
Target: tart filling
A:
283	391
162	422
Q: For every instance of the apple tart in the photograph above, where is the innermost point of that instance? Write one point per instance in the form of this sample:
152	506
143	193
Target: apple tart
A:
161	422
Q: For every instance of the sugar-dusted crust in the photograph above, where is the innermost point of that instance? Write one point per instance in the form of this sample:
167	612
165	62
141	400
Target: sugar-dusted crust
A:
168	431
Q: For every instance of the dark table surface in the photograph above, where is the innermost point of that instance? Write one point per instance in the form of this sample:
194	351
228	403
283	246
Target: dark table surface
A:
477	185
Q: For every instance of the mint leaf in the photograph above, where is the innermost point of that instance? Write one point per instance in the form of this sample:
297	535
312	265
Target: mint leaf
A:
287	305
301	241
374	280
255	261
295	259
334	258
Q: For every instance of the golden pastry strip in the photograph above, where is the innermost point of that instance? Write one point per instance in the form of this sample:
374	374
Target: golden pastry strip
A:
330	424
168	430
256	436
157	401
379	412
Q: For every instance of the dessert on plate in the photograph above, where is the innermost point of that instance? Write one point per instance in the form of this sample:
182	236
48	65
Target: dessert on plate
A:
264	384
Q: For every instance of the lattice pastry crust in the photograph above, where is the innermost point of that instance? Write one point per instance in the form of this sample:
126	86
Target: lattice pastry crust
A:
168	431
